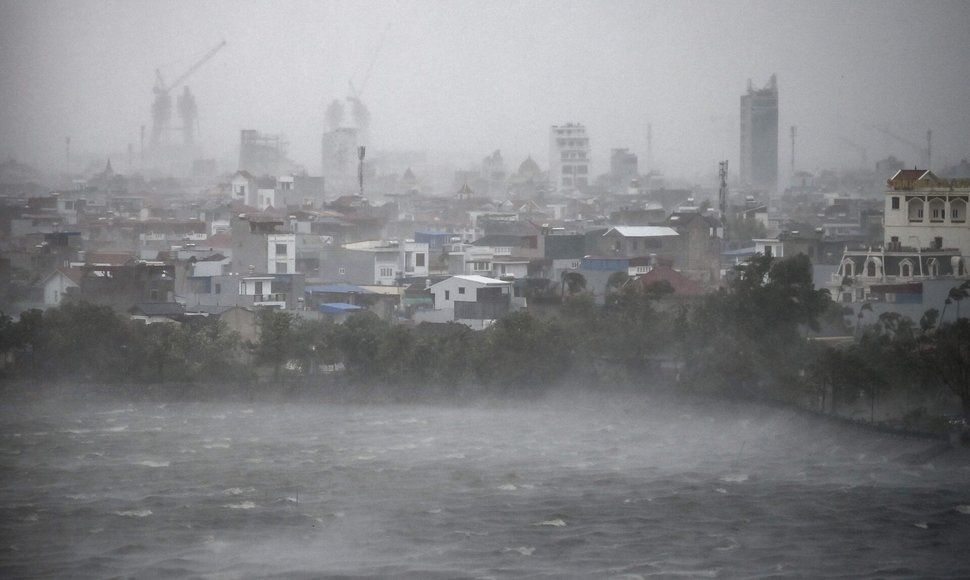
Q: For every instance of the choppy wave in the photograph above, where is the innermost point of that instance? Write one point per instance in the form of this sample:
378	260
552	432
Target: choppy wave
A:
578	489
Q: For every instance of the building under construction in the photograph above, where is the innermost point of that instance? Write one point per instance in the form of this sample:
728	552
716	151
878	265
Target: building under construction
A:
759	137
172	148
263	154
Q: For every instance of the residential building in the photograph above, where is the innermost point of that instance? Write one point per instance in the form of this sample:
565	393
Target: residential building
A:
569	158
475	301
260	245
759	137
123	286
384	263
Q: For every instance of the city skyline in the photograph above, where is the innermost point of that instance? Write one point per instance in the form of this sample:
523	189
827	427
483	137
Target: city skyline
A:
461	79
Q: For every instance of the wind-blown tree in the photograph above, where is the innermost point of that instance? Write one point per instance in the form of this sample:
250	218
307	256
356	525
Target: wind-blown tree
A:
572	283
637	332
359	340
80	340
276	334
521	352
315	344
946	356
746	339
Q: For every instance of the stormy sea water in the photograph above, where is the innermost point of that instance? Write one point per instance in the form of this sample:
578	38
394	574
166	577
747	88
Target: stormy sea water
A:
577	487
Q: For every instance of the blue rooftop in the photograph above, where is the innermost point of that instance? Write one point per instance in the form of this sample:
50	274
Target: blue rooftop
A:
336	289
338	308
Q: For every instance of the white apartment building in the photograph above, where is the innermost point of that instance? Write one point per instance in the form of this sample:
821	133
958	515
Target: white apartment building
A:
569	157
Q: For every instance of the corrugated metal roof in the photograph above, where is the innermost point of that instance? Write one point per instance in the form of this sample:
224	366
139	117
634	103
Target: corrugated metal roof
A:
642	231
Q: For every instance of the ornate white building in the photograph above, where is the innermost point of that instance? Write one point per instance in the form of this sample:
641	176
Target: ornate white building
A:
926	245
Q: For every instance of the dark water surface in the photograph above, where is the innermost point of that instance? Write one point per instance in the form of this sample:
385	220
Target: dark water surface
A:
573	488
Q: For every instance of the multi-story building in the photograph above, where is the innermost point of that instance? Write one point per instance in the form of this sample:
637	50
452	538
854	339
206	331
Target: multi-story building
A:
259	245
383	263
759	137
569	157
925	247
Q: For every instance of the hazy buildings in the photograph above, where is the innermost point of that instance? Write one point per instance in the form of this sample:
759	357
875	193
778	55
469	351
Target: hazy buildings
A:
759	136
623	170
262	154
568	157
339	159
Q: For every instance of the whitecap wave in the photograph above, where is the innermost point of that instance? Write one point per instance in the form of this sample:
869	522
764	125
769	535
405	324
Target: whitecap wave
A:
524	550
556	523
149	463
246	505
134	513
735	478
963	509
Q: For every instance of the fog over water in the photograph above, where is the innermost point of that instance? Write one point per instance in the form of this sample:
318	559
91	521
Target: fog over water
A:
463	78
566	487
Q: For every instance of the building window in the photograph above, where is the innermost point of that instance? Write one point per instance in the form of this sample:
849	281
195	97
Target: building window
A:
281	267
387	272
342	271
895	202
280	249
419	260
218	288
581	169
906	269
447	294
461	289
567	181
258	288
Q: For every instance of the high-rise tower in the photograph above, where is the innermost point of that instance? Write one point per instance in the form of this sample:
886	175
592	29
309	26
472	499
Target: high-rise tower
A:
759	136
569	158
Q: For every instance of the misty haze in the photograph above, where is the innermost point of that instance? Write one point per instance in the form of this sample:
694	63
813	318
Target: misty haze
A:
404	289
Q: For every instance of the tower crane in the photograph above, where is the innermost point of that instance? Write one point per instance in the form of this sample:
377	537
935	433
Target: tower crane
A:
162	105
925	154
863	154
360	112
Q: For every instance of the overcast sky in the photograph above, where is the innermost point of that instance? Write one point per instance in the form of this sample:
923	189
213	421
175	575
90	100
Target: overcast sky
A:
463	78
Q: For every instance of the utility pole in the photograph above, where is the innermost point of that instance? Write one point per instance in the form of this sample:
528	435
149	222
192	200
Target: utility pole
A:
360	168
650	146
793	150
722	171
929	149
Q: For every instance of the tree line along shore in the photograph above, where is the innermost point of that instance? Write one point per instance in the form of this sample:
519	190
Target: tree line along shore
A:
758	338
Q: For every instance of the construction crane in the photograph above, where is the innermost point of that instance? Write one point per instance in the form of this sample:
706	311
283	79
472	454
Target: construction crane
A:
162	105
360	112
925	154
863	153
